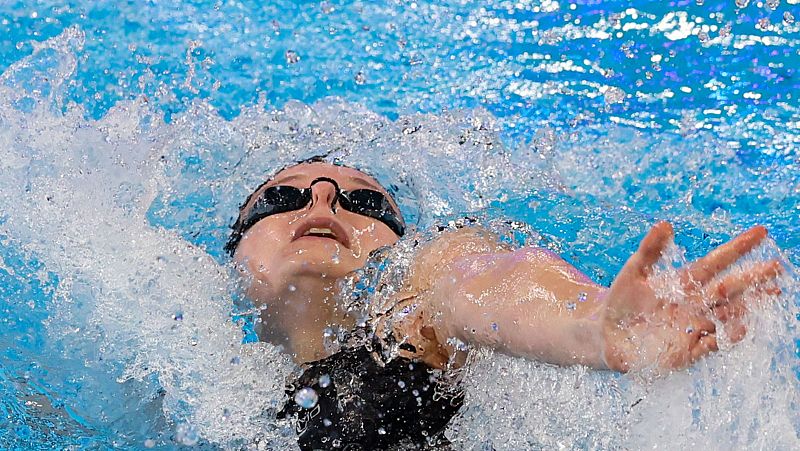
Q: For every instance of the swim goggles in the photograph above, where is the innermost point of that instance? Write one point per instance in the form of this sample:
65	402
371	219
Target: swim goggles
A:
282	198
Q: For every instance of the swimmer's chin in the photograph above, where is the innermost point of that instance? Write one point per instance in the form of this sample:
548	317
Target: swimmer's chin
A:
320	262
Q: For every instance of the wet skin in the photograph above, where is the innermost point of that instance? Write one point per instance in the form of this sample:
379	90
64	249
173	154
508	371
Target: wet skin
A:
465	284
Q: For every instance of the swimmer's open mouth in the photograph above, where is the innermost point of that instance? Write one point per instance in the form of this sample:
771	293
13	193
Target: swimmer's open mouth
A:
323	228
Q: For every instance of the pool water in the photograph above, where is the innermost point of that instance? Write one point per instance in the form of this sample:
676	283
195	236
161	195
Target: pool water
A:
130	131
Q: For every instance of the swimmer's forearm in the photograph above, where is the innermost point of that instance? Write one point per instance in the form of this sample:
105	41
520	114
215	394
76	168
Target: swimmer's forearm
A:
528	303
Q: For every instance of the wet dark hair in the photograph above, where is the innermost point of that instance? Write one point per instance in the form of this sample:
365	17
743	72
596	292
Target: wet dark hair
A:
240	226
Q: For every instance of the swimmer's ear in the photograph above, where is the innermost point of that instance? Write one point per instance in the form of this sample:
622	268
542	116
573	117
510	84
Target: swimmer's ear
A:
651	249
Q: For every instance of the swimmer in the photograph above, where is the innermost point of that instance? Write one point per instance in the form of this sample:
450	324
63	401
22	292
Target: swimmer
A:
314	223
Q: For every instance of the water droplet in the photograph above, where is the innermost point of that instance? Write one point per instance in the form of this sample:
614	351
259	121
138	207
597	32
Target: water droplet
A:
401	384
306	398
788	18
291	287
236	360
699	2
291	57
324	381
614	95
186	435
381	431
742	3
689	329
773	4
495	327
360	78
178	316
571	306
582	297
149	443
327	422
544	141
702	36
327	8
415	392
763	23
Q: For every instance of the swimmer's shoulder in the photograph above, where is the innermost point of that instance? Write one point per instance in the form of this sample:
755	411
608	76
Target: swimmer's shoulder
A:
438	256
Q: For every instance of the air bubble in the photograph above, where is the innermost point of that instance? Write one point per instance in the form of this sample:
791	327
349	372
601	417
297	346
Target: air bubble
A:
326	422
381	431
149	443
306	398
324	381
742	3
773	4
788	18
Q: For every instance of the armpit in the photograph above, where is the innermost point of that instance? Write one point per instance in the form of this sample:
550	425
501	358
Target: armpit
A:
408	324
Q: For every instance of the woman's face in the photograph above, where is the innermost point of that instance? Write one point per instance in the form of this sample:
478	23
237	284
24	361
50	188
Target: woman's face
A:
320	240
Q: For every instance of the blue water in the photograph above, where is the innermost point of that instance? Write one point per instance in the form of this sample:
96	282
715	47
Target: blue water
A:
681	110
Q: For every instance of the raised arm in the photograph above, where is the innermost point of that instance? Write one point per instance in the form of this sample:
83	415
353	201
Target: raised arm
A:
531	303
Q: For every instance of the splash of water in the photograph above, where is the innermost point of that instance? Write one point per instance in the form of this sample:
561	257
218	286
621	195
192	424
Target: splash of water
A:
134	300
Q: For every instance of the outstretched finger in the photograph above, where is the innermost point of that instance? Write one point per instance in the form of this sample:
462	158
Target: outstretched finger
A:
706	268
651	248
704	346
734	285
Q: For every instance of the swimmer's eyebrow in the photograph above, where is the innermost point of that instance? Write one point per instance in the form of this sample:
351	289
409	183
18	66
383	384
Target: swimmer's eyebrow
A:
287	178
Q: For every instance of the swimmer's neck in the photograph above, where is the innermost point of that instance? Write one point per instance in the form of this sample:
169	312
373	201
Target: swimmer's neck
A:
297	315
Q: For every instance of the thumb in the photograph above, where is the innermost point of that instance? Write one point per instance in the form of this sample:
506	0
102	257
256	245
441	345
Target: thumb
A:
650	250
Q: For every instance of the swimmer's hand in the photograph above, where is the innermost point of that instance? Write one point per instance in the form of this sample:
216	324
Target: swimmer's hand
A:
641	329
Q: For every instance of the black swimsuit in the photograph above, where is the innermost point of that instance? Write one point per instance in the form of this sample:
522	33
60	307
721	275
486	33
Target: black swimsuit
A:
364	404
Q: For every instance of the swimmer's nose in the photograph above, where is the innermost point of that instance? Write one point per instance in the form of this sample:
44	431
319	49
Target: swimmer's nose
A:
323	194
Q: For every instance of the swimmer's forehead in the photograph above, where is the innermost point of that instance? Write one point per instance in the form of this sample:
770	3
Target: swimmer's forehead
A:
301	176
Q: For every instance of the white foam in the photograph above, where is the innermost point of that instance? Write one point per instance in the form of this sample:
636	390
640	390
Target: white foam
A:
74	196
